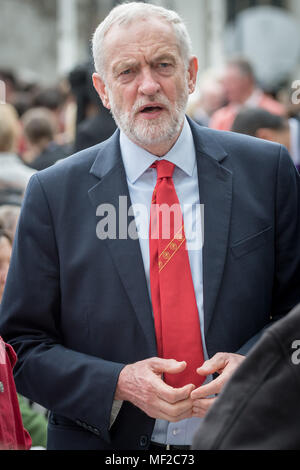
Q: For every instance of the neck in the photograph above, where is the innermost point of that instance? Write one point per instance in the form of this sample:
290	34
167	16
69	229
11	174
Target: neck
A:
35	149
246	96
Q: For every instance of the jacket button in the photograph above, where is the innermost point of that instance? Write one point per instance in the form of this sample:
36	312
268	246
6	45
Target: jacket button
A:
1	387
96	431
143	441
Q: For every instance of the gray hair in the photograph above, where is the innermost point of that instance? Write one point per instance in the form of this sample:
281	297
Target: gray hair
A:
125	14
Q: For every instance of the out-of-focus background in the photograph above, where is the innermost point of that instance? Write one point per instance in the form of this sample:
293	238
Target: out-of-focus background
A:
249	82
42	40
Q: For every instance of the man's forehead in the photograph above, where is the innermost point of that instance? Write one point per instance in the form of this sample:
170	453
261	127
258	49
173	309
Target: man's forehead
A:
142	32
140	41
150	54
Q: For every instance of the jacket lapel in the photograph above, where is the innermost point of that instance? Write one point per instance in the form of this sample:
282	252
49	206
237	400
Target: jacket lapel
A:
215	186
125	252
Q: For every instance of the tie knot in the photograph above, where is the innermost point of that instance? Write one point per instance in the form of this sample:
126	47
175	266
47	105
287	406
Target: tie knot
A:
164	169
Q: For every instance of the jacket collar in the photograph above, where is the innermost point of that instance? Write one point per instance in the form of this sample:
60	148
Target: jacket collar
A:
109	154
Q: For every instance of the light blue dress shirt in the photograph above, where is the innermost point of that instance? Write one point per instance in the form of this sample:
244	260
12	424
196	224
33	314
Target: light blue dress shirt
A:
141	181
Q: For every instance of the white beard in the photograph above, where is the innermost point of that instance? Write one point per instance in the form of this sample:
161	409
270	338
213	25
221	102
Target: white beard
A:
153	131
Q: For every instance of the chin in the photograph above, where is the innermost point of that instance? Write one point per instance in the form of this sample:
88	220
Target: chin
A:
158	132
151	132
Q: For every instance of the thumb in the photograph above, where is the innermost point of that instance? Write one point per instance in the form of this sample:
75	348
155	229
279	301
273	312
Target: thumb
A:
171	366
175	367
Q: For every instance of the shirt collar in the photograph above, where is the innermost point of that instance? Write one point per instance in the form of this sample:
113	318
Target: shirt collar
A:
137	160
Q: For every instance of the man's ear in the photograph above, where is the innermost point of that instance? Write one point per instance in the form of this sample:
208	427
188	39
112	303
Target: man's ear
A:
192	74
101	89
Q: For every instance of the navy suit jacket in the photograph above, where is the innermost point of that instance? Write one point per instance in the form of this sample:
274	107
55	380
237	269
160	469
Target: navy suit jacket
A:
76	308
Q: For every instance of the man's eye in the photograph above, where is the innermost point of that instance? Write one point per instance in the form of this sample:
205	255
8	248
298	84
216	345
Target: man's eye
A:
126	72
165	67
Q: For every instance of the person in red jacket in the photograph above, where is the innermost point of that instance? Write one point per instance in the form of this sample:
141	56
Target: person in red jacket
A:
241	90
12	433
13	436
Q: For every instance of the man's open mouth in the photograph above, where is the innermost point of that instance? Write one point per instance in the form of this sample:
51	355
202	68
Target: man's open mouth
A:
151	109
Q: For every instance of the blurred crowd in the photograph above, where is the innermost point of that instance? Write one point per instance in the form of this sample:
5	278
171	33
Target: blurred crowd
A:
40	126
233	100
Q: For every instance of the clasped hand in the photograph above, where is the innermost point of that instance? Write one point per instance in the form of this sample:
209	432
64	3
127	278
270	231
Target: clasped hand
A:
141	383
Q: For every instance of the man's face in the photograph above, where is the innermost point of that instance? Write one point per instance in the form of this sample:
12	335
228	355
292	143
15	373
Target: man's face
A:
146	82
238	87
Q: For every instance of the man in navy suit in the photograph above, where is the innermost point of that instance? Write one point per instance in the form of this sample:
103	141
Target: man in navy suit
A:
77	305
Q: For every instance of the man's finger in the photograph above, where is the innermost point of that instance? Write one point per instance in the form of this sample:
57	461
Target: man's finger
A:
165	391
212	388
170	366
173	395
175	414
177	409
216	363
201	407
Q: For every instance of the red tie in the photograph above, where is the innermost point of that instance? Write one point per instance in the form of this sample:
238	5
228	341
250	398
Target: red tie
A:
174	305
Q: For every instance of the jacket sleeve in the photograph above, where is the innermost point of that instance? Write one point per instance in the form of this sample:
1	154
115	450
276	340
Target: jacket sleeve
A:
65	381
286	292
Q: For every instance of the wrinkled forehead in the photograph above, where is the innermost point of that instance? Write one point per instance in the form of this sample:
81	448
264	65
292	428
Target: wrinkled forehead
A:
143	36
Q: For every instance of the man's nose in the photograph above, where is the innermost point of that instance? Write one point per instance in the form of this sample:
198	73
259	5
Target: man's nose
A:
148	84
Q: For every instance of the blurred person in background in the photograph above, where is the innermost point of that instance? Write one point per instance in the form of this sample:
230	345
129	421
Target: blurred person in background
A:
9	215
208	98
14	174
241	90
260	123
13	436
94	122
40	127
259	408
24	94
5	255
11	85
54	99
